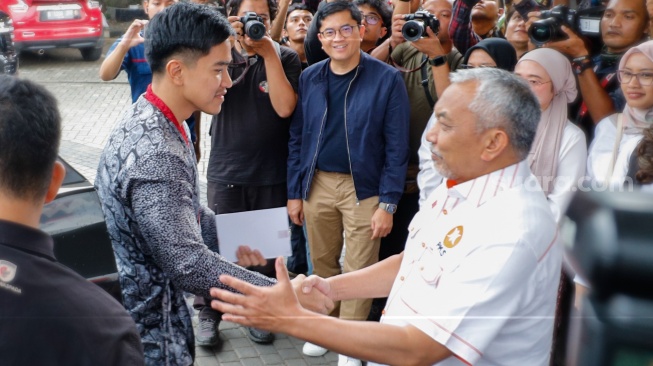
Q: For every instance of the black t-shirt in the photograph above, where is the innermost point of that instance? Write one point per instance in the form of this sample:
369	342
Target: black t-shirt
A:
333	155
51	315
249	141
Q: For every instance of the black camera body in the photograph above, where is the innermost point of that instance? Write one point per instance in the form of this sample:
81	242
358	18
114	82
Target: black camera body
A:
253	25
549	28
415	27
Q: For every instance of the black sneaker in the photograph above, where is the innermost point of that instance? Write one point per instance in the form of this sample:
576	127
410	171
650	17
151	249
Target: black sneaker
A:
207	332
260	336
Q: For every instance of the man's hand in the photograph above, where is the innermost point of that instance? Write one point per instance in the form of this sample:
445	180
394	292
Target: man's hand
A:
318	283
317	301
396	38
264	47
133	35
430	45
296	211
267	308
572	47
381	223
248	257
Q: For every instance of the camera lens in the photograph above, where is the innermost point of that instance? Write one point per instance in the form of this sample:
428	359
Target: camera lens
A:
545	30
255	29
412	30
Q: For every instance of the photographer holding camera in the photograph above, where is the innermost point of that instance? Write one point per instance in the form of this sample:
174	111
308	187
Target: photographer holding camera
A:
249	138
623	25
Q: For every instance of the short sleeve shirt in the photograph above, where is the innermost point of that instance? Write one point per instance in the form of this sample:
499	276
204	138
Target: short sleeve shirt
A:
481	270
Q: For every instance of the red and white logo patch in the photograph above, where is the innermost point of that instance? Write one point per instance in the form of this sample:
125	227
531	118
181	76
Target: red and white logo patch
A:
7	271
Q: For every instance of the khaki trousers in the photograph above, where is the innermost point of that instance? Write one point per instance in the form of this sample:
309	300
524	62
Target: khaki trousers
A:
332	208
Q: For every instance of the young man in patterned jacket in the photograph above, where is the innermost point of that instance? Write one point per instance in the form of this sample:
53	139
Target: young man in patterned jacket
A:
149	188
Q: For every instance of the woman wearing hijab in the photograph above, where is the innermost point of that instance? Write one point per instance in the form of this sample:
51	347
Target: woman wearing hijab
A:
618	153
491	52
559	152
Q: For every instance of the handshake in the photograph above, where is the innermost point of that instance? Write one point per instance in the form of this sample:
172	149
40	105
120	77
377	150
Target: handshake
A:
277	308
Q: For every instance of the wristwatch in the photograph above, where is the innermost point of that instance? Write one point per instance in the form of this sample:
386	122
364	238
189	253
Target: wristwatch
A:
388	207
438	60
580	64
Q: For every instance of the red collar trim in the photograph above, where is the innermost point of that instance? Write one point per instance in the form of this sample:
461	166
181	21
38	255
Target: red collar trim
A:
451	183
154	99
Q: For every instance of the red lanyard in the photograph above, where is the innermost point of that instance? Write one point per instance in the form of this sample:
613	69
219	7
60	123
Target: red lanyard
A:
604	82
152	98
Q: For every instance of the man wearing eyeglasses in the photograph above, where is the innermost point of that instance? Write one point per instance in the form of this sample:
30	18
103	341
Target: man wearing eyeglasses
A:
249	138
348	152
376	19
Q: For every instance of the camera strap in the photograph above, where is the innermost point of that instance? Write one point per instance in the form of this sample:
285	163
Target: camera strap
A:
425	82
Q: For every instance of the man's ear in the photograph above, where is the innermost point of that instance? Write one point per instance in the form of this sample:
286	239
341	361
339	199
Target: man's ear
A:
495	141
384	31
361	29
500	13
175	71
58	174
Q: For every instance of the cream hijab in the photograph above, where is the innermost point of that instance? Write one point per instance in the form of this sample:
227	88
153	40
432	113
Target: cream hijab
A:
636	120
543	157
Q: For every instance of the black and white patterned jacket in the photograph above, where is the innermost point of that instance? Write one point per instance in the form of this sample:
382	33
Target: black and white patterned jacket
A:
148	184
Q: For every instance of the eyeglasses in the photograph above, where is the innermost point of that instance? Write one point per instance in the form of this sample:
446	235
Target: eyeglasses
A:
345	31
643	78
371	19
535	82
468	67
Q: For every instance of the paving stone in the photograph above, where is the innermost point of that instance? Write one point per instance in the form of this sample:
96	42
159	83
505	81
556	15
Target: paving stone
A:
227	356
289	354
246	352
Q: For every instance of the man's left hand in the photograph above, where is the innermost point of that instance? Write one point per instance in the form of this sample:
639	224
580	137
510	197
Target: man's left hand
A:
430	45
263	47
381	224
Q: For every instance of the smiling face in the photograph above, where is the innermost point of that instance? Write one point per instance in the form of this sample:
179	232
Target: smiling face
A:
516	32
638	95
456	145
297	24
343	51
206	81
624	23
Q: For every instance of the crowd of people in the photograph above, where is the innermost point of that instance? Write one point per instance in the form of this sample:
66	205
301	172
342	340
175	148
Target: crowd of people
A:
442	166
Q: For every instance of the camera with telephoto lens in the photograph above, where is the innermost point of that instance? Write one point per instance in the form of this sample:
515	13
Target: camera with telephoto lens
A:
549	28
253	25
415	27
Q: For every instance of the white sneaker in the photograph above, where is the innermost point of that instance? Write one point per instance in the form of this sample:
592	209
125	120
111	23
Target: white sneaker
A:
348	361
313	350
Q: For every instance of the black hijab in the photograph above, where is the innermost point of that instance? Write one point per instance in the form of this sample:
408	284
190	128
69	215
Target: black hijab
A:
501	51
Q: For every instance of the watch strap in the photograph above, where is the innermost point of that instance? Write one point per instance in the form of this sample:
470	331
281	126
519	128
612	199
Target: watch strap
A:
438	60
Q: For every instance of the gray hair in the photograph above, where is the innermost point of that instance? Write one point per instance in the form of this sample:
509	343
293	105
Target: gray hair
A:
503	100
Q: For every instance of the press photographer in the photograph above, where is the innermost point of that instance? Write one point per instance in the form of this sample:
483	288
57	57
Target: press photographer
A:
623	25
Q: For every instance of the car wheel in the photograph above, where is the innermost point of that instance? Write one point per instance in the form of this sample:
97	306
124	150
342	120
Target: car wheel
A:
91	54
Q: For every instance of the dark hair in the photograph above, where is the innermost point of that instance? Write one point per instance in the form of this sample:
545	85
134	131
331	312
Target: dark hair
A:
184	29
382	7
30	131
234	5
293	7
644	153
336	7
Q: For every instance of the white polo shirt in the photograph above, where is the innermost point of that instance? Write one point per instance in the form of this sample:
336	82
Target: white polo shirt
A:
481	269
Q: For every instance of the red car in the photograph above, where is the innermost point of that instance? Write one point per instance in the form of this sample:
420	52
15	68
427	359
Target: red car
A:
45	24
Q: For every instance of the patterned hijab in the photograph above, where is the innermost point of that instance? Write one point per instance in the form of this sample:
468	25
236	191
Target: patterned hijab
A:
636	120
543	157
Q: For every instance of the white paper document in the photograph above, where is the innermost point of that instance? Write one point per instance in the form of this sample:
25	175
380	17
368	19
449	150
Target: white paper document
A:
265	230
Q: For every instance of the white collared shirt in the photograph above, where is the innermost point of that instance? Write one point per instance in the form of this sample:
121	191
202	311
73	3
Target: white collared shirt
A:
600	153
481	269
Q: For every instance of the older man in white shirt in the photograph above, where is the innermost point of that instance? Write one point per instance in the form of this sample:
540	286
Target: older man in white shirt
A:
477	282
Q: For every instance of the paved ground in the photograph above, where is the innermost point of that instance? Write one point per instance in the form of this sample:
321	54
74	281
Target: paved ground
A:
90	108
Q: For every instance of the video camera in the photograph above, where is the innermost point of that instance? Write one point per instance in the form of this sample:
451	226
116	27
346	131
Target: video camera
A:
253	25
549	29
414	28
